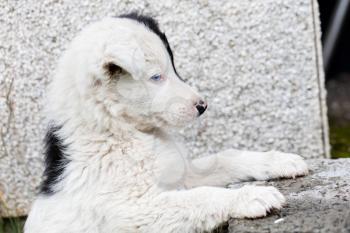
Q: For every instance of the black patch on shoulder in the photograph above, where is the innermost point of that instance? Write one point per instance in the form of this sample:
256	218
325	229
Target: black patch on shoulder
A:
153	25
55	161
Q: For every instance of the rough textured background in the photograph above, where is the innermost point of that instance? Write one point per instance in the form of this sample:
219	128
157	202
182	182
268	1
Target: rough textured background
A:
257	63
316	203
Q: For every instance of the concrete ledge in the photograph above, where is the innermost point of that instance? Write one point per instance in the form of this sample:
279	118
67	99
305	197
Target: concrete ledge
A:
319	202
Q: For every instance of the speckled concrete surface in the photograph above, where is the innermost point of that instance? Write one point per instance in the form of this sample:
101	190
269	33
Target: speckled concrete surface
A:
257	63
316	203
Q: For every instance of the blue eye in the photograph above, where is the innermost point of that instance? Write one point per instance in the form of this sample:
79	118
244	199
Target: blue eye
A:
157	78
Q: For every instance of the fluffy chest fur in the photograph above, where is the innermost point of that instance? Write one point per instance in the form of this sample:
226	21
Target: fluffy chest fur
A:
111	178
127	164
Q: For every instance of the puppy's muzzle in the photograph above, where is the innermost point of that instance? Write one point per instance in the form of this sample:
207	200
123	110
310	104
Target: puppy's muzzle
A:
201	106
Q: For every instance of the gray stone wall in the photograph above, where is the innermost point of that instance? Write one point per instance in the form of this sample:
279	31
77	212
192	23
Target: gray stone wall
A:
257	62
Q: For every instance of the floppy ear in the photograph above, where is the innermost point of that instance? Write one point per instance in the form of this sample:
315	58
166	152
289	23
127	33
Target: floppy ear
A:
124	58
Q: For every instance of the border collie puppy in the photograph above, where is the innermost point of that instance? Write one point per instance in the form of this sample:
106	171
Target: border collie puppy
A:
111	165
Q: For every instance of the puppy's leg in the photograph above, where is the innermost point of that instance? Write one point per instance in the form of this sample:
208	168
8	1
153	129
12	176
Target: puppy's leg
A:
234	166
204	208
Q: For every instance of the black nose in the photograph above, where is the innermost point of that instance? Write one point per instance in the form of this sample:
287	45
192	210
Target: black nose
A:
201	106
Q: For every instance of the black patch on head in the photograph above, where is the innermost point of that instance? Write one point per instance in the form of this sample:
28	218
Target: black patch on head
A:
112	69
153	25
55	161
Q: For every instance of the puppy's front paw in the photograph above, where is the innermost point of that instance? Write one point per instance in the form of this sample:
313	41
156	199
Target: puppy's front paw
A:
287	165
256	201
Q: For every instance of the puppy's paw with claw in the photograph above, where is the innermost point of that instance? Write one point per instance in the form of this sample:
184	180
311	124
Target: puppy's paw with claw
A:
256	201
287	165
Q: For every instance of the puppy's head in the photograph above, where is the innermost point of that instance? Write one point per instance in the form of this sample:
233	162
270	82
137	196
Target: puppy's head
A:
124	66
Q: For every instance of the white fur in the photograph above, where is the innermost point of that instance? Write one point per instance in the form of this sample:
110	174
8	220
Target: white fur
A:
125	173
